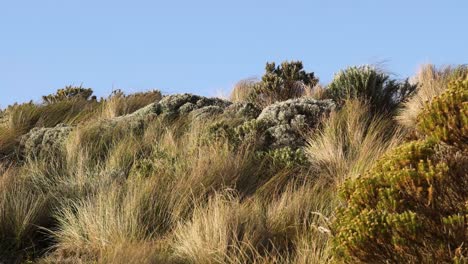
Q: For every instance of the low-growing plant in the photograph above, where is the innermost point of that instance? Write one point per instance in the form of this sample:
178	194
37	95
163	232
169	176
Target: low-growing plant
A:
19	119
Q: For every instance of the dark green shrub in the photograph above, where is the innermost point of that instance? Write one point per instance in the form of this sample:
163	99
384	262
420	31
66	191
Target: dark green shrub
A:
280	83
446	118
67	93
369	84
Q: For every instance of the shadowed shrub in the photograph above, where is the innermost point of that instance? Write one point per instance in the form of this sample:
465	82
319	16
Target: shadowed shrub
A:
68	93
369	84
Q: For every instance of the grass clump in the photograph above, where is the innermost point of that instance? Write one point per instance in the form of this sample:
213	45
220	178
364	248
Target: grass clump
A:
23	211
350	141
65	107
119	103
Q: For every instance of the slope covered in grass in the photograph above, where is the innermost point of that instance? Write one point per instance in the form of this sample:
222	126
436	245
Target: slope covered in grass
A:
151	178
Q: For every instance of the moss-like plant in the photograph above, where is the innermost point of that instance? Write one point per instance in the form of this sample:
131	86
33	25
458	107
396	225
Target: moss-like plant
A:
446	118
369	84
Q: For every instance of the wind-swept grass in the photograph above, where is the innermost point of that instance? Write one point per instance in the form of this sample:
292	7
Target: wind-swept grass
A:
351	140
118	103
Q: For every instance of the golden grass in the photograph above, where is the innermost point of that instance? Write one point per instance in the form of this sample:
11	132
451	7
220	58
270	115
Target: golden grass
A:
119	104
318	92
290	229
242	90
20	119
23	209
350	142
109	218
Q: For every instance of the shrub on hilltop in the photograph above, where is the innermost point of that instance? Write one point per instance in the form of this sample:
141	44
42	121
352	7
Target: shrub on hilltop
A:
279	83
67	93
371	85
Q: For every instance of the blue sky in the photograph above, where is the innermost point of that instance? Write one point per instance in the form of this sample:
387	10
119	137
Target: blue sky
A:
205	47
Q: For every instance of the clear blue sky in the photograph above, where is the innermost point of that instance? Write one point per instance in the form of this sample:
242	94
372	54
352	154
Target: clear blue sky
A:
204	47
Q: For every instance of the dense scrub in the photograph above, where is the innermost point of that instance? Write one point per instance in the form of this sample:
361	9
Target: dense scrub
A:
152	178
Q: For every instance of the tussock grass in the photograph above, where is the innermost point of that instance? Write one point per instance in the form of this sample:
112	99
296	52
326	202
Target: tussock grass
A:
351	140
119	104
318	92
108	218
23	209
242	90
227	230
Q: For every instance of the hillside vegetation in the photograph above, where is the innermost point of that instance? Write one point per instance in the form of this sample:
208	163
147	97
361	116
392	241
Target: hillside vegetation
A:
365	169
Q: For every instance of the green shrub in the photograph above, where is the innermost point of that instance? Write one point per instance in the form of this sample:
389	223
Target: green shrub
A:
67	93
369	84
280	83
410	208
446	118
283	158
